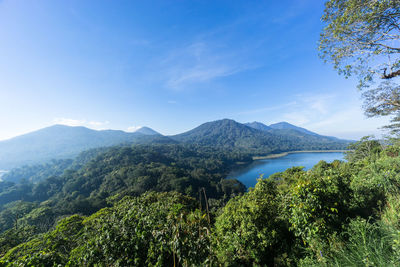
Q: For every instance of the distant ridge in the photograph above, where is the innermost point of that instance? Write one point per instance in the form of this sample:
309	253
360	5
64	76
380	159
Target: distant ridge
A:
258	125
285	125
60	141
147	131
225	133
257	137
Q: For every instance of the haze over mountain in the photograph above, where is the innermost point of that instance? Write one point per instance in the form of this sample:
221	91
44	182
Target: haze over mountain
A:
60	141
284	125
147	131
258	125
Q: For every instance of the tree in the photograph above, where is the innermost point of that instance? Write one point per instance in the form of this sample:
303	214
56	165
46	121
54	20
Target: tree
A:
250	230
362	38
384	101
367	147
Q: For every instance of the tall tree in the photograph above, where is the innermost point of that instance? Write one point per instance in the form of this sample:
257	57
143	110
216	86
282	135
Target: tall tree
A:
362	38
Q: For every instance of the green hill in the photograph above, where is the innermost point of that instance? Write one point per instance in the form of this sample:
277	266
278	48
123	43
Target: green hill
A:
231	134
60	142
64	142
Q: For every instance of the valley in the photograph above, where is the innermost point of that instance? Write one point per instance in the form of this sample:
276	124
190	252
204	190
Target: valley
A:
200	133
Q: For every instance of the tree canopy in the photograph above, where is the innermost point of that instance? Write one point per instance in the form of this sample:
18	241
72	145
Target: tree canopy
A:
336	214
362	38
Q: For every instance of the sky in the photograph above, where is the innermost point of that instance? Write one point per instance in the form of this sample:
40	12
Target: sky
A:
171	66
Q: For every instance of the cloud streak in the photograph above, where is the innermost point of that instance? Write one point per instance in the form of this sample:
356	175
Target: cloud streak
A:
198	63
132	129
269	108
98	125
326	114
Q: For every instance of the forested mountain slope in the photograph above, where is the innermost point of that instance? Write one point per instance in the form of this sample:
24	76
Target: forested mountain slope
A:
147	131
258	125
61	142
336	214
88	183
64	142
231	134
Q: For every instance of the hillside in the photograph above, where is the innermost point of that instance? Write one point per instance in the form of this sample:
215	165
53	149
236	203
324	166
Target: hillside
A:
60	141
147	131
331	215
226	133
287	126
83	185
258	125
257	138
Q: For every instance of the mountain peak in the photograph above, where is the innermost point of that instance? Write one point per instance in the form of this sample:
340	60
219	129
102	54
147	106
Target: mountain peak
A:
258	125
147	131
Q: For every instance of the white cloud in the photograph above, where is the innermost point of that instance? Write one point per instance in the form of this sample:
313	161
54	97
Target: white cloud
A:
73	122
351	118
98	123
133	128
69	122
308	108
325	114
266	109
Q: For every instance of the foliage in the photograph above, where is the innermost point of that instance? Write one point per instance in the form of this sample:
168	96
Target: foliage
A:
336	214
361	38
153	230
156	229
365	148
318	203
99	178
38	172
250	229
366	244
232	135
360	34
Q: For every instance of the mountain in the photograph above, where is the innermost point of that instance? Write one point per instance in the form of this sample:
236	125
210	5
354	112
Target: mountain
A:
258	138
285	125
258	125
147	131
226	133
60	141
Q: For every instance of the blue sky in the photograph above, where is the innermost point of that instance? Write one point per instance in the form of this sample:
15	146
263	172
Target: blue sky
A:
170	65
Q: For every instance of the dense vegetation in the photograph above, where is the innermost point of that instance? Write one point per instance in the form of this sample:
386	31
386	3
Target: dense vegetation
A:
169	204
337	214
34	197
62	142
257	138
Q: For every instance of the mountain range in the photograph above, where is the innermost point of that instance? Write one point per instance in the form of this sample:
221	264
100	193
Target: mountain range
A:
60	141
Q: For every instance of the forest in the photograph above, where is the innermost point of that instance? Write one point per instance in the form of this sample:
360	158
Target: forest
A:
170	204
337	214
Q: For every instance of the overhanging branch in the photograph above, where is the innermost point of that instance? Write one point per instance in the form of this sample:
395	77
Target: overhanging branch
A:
390	75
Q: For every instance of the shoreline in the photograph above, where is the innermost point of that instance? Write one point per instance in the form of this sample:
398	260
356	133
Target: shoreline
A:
283	154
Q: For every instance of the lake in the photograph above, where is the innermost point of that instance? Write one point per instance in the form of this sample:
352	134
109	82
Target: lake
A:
248	175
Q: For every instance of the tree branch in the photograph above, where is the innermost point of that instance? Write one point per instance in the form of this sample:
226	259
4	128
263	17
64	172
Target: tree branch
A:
390	75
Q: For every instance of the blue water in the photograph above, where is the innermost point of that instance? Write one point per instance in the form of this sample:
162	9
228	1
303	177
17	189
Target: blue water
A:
248	175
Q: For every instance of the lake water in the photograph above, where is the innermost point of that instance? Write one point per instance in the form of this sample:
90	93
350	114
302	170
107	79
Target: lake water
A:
248	175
